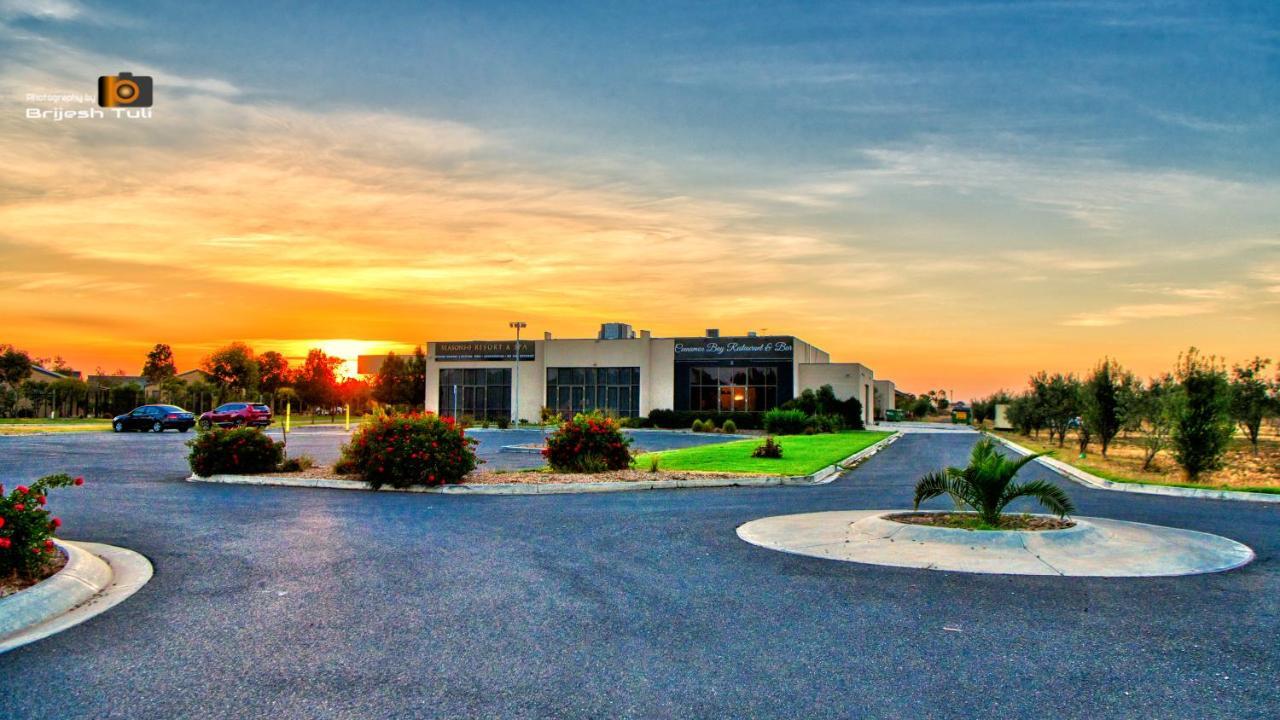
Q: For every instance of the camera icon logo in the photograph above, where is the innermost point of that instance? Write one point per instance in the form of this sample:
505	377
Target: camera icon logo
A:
124	90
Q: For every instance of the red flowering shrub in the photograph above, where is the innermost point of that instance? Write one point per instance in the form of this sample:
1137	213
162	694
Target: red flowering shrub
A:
410	450
588	443
240	451
27	528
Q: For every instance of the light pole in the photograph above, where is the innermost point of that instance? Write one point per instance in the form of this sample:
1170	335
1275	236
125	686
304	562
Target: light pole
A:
515	403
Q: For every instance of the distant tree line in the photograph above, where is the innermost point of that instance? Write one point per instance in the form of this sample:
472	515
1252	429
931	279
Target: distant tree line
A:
234	372
1192	412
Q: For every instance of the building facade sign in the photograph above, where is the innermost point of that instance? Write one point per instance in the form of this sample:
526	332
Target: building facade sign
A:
481	350
734	348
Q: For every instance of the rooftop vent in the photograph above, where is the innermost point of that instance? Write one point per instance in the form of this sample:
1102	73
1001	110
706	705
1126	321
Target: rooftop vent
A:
616	331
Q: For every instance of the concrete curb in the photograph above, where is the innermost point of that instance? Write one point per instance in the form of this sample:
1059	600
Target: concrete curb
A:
831	472
1094	547
127	572
1090	480
84	576
821	477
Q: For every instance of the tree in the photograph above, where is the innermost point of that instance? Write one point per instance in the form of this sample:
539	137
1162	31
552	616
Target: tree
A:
921	407
393	385
417	369
1057	400
986	485
1251	397
317	381
273	371
1022	414
1203	425
1155	414
15	365
355	394
1102	403
159	365
234	367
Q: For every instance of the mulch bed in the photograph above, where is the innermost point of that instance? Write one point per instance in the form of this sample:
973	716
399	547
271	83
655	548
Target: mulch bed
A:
968	521
537	477
12	583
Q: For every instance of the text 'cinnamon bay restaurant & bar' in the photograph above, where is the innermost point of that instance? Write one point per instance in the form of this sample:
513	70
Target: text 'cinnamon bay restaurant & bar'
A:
633	374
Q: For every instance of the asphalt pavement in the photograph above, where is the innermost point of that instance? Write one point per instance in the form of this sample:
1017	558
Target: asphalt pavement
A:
303	603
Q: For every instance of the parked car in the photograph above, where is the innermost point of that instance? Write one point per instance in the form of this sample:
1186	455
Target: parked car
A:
156	418
237	414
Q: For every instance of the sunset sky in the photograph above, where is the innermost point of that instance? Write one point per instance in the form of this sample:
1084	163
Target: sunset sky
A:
954	194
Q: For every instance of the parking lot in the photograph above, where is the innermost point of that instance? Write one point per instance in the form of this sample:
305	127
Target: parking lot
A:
289	602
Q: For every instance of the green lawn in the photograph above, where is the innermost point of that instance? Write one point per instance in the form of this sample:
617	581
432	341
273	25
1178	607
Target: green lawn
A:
801	454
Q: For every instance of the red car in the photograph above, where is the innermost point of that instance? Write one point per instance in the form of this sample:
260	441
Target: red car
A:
237	414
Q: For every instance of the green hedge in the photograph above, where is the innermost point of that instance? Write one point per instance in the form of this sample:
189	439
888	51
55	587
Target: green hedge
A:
683	419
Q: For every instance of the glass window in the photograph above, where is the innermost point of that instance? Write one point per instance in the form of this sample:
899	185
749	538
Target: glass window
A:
733	389
480	393
614	390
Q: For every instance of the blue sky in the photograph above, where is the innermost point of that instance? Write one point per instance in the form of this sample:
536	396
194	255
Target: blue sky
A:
1156	84
1072	174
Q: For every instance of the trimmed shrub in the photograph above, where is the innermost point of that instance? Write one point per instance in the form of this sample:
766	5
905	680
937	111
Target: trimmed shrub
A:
296	464
770	448
677	419
27	528
240	451
588	443
411	450
779	421
697	426
503	423
826	423
729	426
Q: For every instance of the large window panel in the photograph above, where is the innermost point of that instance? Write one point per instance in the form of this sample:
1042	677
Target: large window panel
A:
733	389
573	390
480	393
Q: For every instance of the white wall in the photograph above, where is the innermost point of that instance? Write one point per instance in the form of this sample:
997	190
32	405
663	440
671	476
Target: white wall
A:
846	379
884	393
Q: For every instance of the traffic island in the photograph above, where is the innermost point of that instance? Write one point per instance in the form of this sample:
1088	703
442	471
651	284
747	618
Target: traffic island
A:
1089	547
540	482
94	578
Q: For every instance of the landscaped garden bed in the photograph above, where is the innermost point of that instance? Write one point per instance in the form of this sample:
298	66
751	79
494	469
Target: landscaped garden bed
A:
13	582
28	553
425	452
971	521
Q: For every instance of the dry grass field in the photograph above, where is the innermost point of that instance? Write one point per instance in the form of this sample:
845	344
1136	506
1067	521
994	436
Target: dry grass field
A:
1242	469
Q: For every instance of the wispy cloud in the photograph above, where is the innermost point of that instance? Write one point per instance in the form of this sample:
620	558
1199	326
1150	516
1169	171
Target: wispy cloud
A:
1122	314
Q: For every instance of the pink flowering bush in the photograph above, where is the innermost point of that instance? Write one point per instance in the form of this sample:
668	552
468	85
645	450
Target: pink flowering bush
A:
588	443
239	451
409	450
27	527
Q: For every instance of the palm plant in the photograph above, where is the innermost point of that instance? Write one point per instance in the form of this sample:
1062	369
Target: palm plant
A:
986	485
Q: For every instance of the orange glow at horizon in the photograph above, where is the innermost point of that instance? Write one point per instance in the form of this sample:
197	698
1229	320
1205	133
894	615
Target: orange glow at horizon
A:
937	266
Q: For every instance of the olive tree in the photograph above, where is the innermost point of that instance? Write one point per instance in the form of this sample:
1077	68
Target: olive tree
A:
1252	397
1152	415
1102	401
1203	427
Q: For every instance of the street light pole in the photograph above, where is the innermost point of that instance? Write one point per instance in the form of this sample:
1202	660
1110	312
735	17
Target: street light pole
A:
515	403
